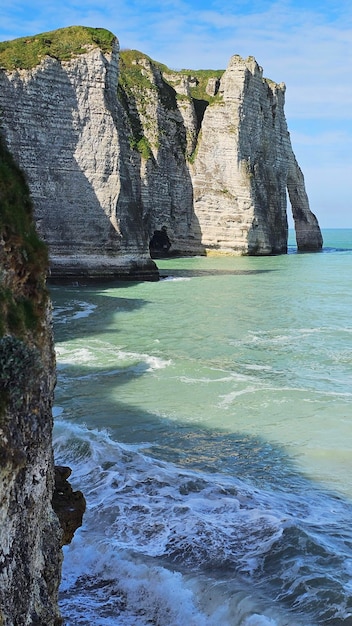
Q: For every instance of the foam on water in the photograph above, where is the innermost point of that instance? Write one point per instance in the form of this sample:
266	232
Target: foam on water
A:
148	522
80	354
77	310
236	391
175	279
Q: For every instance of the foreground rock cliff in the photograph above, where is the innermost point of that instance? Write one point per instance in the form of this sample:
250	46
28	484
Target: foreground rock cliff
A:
122	154
30	534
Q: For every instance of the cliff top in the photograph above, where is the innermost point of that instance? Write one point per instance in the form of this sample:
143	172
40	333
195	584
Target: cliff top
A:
132	73
62	44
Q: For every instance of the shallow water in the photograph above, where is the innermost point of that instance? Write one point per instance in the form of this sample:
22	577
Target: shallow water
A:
207	418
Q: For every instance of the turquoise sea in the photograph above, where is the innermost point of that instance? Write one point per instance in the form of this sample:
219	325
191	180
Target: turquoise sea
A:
207	418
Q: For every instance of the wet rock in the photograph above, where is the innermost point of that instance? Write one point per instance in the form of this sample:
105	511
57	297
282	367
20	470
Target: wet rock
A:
68	505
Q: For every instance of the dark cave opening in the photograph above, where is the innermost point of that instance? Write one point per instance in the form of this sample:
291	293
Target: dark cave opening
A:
160	243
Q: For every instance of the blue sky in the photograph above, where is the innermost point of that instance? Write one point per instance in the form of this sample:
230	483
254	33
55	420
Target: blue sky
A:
305	43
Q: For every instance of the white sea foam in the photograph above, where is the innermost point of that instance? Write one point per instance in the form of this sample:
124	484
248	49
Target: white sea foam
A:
80	355
147	520
176	279
86	309
217	377
97	352
77	309
311	395
229	398
119	590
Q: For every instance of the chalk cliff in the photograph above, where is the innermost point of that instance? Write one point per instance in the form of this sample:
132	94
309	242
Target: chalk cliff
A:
216	157
163	130
65	127
245	164
30	535
118	148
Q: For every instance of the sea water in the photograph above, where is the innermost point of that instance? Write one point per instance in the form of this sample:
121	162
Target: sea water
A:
207	419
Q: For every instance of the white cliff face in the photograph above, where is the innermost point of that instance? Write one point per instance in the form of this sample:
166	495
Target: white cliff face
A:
115	155
222	199
219	181
166	128
62	123
244	165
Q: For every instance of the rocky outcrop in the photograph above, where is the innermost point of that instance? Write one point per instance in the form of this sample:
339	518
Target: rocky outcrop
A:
117	148
244	166
30	535
68	505
240	183
308	234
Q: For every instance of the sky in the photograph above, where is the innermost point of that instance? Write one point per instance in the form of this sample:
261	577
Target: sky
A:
306	44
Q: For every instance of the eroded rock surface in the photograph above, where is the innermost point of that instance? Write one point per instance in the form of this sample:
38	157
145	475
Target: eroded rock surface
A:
68	505
30	535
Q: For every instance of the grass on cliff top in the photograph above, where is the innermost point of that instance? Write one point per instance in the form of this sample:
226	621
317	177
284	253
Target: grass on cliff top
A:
199	91
132	74
62	44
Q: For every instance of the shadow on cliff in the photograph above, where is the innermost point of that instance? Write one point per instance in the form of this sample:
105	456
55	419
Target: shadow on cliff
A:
69	216
187	240
166	187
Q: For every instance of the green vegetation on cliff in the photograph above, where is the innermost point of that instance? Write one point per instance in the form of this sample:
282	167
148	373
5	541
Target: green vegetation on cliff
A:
132	72
23	256
62	44
134	76
135	86
199	90
142	79
23	294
